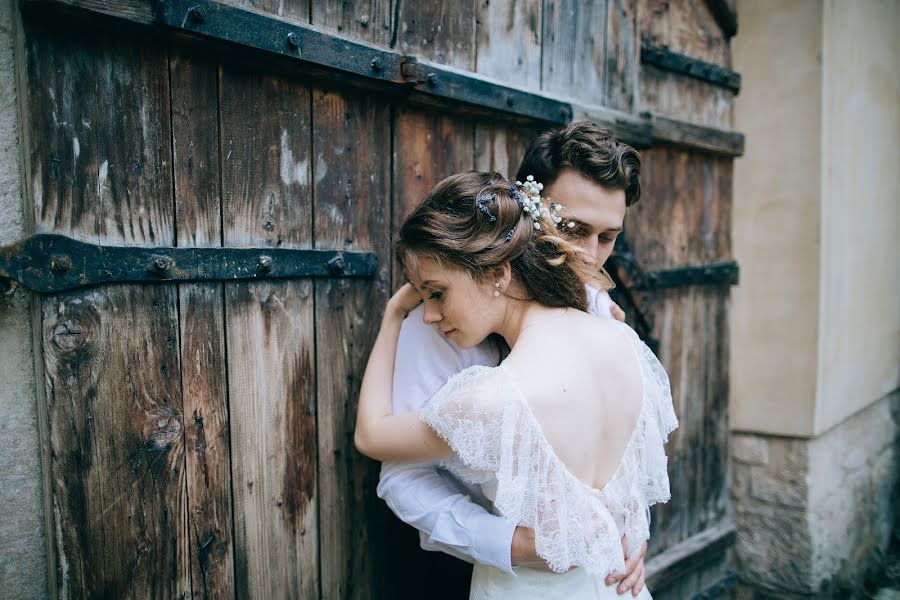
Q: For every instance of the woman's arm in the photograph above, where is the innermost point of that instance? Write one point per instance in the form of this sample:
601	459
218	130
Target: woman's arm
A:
379	434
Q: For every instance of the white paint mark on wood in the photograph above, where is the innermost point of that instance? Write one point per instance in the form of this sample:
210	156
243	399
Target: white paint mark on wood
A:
335	215
287	158
301	172
61	559
291	171
102	176
37	192
321	168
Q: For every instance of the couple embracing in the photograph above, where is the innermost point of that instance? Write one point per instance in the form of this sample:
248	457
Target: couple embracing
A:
520	423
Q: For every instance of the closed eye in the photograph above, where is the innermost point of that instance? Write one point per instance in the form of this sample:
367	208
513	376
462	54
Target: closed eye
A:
577	232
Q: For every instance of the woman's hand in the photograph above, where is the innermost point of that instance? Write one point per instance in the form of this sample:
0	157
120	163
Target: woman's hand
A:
404	300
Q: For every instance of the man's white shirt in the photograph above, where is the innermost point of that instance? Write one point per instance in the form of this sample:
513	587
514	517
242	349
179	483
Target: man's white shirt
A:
451	516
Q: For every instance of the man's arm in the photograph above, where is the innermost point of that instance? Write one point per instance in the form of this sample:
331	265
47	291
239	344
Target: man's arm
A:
448	518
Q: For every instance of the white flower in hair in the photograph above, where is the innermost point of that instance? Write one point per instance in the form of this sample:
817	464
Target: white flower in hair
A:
533	205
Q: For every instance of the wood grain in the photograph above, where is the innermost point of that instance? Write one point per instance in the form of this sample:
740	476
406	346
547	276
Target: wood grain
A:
195	142
352	211
110	354
441	32
691	29
368	21
500	146
684	218
508	35
622	55
265	140
574	45
296	10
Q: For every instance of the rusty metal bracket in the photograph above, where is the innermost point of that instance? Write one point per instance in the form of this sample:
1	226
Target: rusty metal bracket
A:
49	263
662	58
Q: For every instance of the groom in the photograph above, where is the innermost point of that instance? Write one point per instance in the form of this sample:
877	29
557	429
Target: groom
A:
595	177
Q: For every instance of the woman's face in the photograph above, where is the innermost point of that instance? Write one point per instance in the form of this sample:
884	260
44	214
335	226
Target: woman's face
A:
464	311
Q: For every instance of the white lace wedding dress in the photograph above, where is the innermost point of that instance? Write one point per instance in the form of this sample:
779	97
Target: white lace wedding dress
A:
499	444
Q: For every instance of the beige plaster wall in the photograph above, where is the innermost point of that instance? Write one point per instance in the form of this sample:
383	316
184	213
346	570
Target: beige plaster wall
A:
776	217
859	310
23	551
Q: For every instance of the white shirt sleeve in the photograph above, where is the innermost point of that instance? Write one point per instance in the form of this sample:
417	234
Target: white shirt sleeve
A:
448	516
599	303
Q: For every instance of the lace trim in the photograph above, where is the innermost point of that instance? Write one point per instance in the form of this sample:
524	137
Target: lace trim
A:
483	416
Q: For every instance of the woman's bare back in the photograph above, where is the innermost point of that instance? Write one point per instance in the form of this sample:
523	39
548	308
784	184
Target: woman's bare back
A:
582	380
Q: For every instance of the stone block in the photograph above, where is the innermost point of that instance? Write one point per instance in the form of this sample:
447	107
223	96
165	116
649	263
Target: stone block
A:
750	449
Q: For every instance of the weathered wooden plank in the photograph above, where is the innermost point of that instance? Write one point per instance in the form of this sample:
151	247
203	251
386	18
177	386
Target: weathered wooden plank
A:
352	211
622	55
574	44
686	28
427	148
679	133
500	147
684	209
195	143
110	354
683	218
114	400
441	32
667	568
139	11
265	140
368	21
297	10
508	35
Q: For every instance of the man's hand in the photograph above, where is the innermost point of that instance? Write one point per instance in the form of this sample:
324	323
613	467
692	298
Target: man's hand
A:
617	311
523	553
635	575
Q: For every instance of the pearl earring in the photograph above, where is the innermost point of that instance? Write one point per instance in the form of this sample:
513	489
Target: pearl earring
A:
497	291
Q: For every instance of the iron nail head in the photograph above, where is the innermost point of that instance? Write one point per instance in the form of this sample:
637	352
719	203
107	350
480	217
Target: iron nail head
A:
61	263
293	39
197	14
337	265
264	265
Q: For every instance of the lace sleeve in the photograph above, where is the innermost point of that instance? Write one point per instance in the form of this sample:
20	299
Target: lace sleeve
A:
467	414
493	433
643	478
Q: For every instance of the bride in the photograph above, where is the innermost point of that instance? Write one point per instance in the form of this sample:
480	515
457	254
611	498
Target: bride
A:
566	436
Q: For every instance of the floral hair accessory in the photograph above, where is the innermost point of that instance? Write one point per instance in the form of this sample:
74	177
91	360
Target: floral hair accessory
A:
531	203
481	203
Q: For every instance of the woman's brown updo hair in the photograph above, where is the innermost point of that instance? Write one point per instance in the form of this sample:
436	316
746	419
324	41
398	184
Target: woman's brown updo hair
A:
472	222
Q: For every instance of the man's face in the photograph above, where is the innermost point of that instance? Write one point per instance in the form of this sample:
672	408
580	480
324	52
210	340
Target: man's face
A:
598	213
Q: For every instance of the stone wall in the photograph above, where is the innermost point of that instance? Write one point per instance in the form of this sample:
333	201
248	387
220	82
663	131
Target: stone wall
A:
23	561
813	514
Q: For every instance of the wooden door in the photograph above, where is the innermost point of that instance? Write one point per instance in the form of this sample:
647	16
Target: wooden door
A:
198	435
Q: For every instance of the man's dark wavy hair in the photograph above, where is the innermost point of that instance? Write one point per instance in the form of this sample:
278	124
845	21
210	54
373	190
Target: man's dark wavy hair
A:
588	149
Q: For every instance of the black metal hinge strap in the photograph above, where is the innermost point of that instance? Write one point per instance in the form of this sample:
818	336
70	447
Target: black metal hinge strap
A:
220	21
50	263
724	273
663	58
